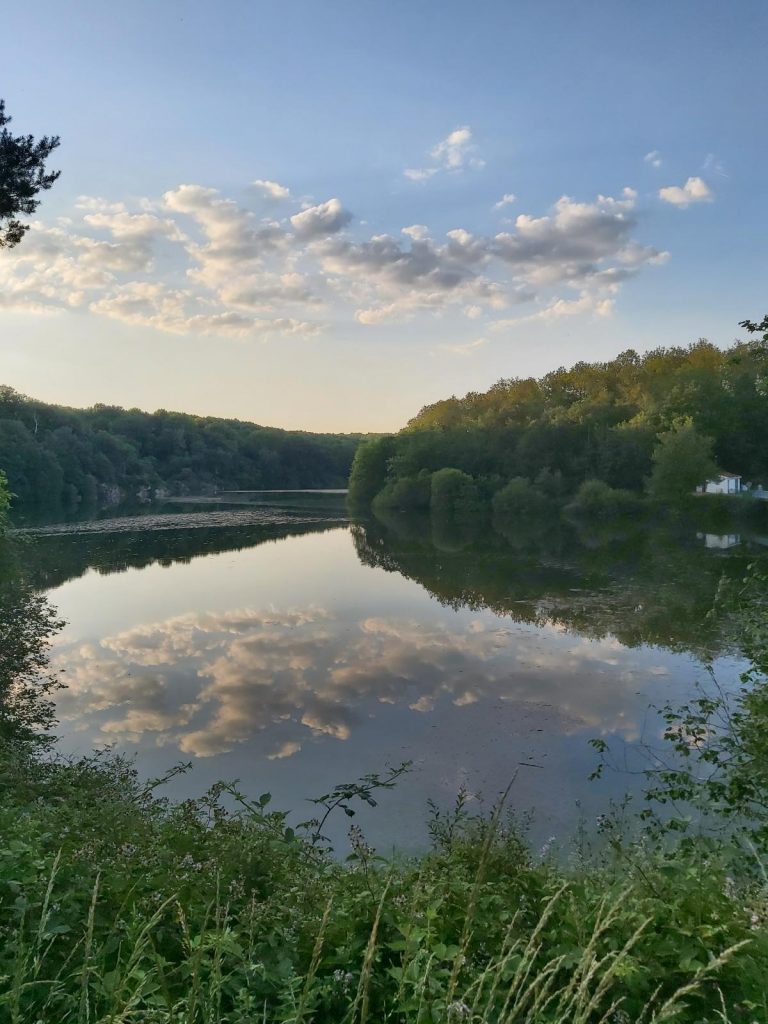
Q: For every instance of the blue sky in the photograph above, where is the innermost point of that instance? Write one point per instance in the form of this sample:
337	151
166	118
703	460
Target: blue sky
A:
158	274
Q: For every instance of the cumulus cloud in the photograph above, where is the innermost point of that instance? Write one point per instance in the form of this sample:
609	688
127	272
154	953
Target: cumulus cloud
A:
585	304
569	243
196	262
506	200
653	158
455	152
287	749
271	189
152	305
579	245
266	291
695	190
231	233
317	221
418	232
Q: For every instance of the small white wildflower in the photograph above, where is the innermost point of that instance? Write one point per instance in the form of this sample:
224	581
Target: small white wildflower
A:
237	888
544	851
458	1011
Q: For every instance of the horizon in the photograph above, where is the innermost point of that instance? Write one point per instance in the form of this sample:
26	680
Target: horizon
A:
300	430
389	208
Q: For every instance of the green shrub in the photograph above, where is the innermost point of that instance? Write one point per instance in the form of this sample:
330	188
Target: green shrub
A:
408	492
682	460
596	500
455	495
724	513
519	500
369	470
5	501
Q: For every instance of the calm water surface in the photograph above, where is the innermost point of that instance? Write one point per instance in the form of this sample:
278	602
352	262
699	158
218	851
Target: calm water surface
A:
273	642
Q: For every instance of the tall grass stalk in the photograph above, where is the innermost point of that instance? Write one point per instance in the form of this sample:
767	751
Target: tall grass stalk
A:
84	1015
363	988
314	963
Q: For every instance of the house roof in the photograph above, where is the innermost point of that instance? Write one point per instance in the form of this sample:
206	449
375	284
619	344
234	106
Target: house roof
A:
730	476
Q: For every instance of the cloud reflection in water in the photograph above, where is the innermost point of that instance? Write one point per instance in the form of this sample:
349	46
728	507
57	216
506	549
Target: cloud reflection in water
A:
207	682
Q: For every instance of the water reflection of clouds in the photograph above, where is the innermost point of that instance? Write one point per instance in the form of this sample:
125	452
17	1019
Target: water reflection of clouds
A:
207	682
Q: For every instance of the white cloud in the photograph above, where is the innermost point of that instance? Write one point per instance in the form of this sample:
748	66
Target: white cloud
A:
418	232
653	158
265	291
455	152
585	304
576	245
287	749
197	262
147	304
317	221
231	233
271	189
401	280
466	349
695	190
420	173
506	200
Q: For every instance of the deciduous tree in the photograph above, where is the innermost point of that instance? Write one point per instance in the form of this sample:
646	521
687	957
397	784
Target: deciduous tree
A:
681	461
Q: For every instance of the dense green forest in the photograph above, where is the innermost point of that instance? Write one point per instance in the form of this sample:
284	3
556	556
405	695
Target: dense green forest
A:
61	458
656	423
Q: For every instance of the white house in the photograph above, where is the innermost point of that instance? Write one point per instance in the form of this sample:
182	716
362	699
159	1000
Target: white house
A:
726	483
720	541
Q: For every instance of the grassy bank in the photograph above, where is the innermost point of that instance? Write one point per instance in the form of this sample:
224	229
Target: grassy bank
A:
117	906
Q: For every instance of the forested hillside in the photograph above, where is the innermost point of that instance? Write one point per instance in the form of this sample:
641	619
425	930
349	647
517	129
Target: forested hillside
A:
57	457
689	409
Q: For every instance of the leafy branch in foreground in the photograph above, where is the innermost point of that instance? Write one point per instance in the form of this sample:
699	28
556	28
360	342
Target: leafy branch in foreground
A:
757	328
341	797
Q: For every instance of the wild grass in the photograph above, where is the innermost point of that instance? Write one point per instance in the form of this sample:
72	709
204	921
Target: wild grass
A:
117	906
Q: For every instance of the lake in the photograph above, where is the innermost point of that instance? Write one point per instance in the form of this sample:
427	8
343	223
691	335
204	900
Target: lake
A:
267	638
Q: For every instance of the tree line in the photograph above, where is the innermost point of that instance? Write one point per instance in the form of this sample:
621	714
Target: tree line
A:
58	458
599	437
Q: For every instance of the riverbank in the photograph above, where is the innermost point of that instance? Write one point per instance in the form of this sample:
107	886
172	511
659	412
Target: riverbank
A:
119	906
